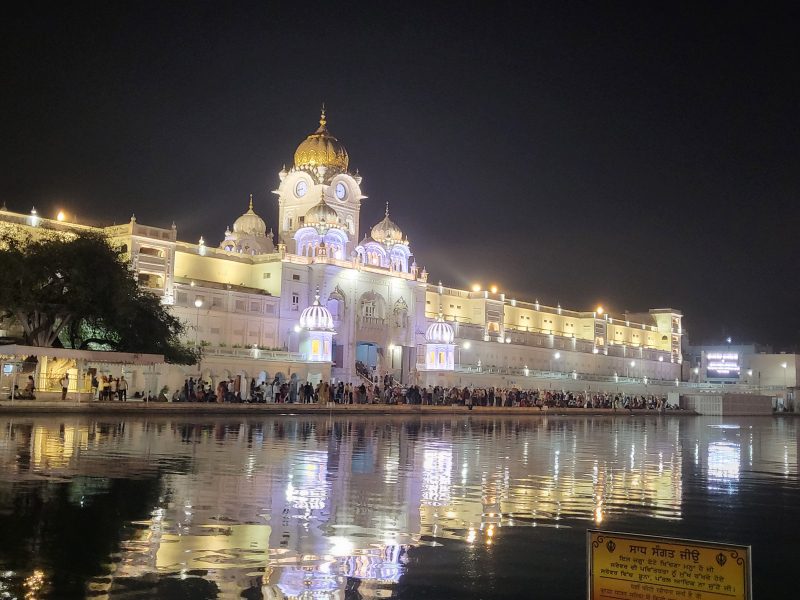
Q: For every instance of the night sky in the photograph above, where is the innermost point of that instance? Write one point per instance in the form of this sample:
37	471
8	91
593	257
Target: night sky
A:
633	154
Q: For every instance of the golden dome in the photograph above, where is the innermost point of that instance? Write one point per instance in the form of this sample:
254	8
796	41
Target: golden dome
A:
386	232
321	149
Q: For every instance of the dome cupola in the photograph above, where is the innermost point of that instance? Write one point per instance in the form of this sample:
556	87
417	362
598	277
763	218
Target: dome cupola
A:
321	149
250	223
316	317
440	332
387	232
248	234
322	216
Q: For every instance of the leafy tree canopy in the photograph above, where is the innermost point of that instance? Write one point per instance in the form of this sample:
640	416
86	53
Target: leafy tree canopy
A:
77	291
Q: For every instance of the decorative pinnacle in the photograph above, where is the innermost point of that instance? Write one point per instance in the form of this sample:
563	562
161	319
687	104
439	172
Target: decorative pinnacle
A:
251	201
322	120
387	209
316	293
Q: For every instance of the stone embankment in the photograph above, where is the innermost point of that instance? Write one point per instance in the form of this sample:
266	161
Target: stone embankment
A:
190	409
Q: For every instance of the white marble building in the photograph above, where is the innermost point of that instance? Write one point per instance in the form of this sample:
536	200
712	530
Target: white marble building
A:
242	298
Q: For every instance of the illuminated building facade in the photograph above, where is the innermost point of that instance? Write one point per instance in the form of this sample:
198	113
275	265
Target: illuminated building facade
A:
243	298
750	364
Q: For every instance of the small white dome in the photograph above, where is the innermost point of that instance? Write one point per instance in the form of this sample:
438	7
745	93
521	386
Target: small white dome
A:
440	332
316	317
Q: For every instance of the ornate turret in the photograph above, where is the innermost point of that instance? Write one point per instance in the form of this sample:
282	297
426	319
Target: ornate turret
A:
316	317
440	332
439	346
316	337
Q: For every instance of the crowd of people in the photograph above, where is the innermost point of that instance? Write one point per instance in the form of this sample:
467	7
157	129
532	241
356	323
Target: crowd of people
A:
107	388
514	397
390	392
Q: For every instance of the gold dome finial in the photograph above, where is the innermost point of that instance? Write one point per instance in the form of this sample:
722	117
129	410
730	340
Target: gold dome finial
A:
251	201
321	149
387	209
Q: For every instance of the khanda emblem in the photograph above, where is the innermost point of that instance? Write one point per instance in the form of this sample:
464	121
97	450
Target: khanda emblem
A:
611	545
721	559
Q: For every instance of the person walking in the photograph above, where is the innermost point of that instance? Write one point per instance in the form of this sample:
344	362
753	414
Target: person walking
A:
64	386
122	389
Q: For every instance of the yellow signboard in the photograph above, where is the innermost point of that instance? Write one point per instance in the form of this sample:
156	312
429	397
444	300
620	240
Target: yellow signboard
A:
624	566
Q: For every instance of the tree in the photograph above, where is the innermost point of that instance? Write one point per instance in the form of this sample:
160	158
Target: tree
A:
76	290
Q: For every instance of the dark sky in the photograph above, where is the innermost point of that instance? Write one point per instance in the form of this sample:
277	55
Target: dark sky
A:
636	154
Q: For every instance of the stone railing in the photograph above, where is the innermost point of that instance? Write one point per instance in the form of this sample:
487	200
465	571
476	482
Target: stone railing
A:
253	353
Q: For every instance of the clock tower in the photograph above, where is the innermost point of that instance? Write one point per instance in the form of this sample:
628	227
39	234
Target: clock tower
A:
319	172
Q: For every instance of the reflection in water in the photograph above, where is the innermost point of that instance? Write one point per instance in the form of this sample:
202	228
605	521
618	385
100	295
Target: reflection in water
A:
298	507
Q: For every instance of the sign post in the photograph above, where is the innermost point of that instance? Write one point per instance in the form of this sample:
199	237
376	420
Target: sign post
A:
623	566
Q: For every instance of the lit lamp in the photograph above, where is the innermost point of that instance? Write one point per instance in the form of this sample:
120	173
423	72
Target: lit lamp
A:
60	216
556	356
633	364
784	366
197	304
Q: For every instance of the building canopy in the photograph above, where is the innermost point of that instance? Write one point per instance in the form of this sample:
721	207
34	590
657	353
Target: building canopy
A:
93	356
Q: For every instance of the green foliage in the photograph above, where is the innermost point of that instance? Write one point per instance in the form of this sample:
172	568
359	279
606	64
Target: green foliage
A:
77	291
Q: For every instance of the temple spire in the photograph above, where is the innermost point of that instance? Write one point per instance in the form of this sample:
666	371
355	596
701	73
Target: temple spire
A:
387	209
251	201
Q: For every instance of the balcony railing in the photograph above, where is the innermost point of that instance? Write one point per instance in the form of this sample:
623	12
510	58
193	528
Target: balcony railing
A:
254	353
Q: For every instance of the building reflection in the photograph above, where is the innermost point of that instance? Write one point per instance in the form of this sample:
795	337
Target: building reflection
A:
317	508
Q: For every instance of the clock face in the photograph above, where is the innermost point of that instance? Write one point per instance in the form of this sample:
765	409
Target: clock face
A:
300	189
341	191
